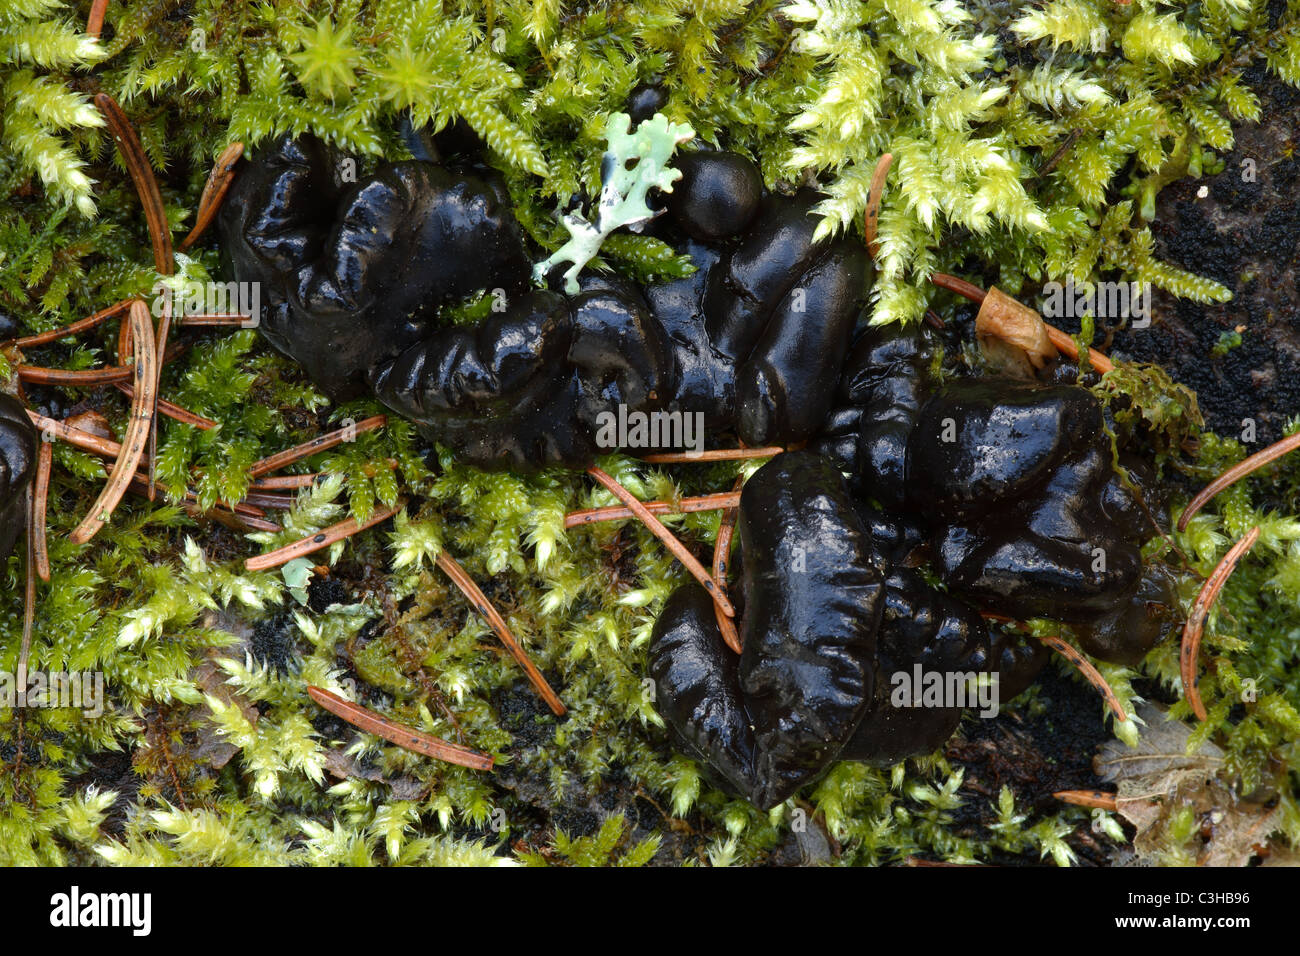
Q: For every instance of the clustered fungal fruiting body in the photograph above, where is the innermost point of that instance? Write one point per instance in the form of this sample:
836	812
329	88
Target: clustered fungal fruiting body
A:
18	444
1005	488
830	611
1025	514
353	280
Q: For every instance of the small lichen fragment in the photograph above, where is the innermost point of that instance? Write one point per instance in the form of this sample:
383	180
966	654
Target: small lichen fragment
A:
635	161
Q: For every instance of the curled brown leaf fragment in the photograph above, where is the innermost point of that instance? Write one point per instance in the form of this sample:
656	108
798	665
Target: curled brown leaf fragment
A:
1056	339
1013	332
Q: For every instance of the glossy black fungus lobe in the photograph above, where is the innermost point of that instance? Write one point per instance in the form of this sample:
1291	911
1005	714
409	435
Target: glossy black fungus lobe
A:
1006	489
645	100
1026	514
778	308
834	628
351	274
18	444
490	390
775	718
352	280
718	195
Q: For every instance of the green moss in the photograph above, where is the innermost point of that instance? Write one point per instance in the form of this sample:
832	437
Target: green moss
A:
1012	126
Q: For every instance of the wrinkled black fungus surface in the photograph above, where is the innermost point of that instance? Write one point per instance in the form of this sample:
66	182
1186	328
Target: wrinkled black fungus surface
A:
1005	488
353	278
1025	513
352	274
769	721
829	625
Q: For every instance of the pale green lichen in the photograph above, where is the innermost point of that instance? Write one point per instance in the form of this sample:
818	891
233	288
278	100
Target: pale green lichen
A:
634	163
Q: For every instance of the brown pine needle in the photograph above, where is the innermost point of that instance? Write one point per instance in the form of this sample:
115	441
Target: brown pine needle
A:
216	319
669	539
164	328
172	411
1236	473
1084	667
1190	651
1097	799
118	374
871	221
286	482
408	738
106	448
261	500
1058	338
713	454
40	498
721	564
214	192
220	514
292	482
234	522
320	443
39	375
81	325
239	522
124	341
1070	348
321	539
218	179
137	431
95	22
29	597
485	607
576	519
76	437
137	164
916	861
960	286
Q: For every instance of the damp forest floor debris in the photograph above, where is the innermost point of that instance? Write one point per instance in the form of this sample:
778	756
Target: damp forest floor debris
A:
1030	141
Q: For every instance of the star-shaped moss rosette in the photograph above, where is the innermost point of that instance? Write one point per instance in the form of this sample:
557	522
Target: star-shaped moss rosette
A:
635	161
